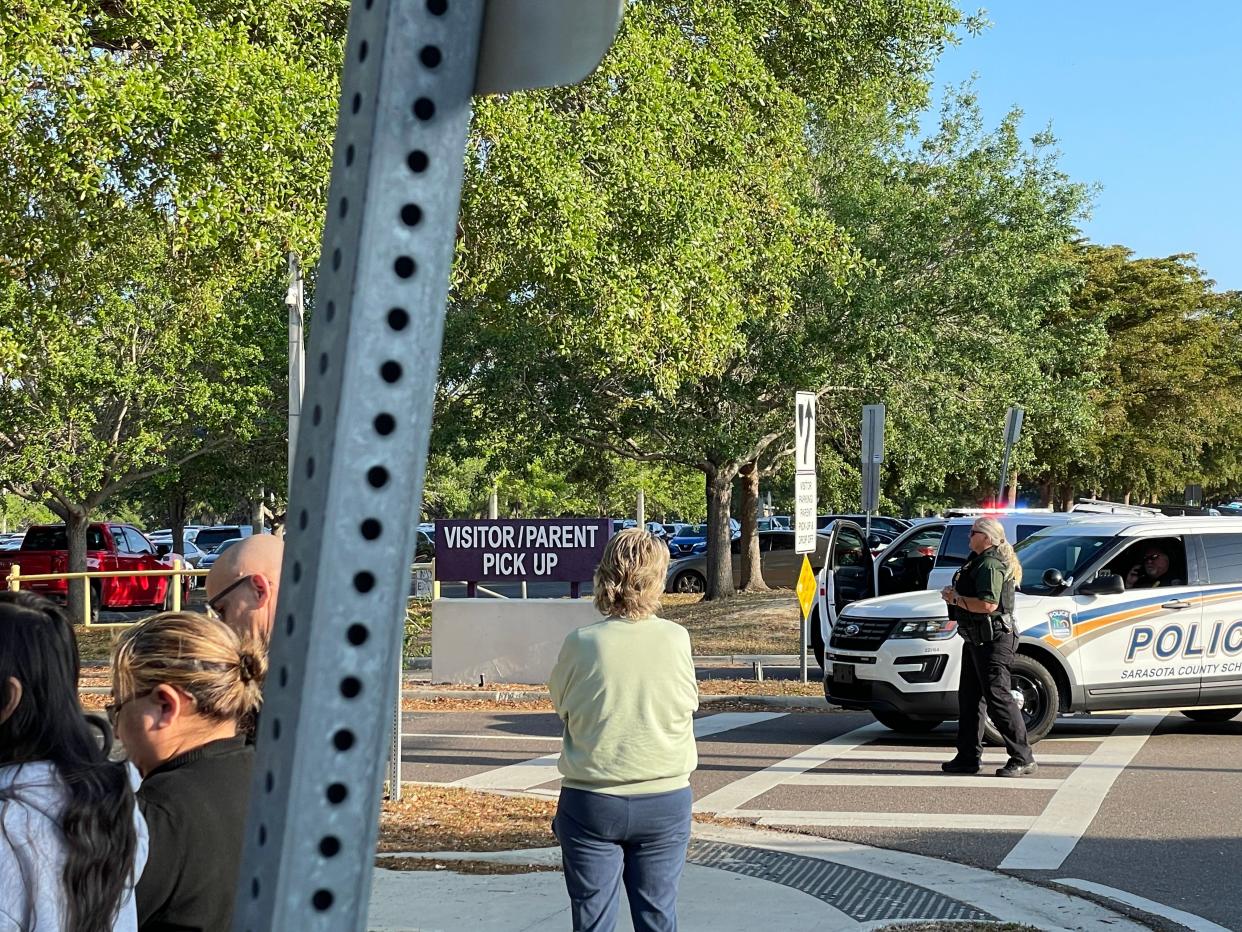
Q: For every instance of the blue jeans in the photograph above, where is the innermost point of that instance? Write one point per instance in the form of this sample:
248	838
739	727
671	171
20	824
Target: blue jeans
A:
639	840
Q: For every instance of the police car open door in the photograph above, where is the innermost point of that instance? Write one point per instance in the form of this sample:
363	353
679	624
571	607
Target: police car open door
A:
849	573
1145	646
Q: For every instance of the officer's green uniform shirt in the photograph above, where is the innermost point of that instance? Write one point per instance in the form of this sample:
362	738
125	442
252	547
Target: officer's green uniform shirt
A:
983	577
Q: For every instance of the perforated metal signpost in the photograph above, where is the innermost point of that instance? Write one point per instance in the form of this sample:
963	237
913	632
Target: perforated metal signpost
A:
411	68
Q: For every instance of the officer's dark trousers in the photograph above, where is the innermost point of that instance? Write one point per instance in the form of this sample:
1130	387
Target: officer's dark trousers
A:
985	681
639	840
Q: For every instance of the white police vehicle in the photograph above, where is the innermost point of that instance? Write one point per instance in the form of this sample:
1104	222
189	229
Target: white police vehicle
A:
922	557
1087	642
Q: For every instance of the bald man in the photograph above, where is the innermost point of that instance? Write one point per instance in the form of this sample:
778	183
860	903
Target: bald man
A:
242	585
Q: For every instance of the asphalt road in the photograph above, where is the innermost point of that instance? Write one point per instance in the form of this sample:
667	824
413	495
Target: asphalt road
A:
1146	805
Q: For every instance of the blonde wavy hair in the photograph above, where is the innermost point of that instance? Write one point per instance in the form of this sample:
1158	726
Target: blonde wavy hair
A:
994	532
631	575
221	670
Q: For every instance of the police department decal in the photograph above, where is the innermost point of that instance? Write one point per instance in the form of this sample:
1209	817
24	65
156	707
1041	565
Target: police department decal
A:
1060	625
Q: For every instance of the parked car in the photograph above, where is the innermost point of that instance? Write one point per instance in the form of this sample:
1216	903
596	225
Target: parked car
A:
778	562
425	549
674	528
693	539
190	531
210	538
212	556
109	547
10	541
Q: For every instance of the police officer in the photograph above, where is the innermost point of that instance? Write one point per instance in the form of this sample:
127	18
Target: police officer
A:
981	599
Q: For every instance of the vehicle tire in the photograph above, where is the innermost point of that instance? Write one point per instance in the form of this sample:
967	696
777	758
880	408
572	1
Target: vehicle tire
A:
817	638
1210	716
898	722
689	582
1041	700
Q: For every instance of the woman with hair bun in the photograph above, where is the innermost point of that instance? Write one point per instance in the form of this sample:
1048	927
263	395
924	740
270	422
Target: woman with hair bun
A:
71	839
981	599
186	691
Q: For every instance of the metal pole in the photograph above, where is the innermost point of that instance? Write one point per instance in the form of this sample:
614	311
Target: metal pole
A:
806	638
493	505
641	514
380	301
295	302
394	749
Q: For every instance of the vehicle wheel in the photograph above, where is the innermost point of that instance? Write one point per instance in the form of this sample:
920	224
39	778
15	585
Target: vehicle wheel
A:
1210	715
817	638
690	581
898	722
1036	692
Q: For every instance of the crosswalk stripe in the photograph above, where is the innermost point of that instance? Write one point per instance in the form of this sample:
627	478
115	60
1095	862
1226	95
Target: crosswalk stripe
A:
531	773
923	780
756	784
1070	812
924	820
989	757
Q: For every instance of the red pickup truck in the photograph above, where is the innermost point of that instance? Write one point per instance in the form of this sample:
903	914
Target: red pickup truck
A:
109	547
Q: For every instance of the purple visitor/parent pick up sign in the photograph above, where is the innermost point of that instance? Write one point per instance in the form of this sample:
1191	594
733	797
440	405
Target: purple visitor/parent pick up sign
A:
543	549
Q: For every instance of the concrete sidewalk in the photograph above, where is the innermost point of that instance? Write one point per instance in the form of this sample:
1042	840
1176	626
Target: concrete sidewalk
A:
736	880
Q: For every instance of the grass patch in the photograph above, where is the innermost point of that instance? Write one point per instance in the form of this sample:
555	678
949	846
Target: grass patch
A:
749	623
448	818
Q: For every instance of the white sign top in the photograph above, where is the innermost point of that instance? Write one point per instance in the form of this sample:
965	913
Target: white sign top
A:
804	432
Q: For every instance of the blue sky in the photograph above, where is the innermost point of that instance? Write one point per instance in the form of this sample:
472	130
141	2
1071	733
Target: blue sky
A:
1145	99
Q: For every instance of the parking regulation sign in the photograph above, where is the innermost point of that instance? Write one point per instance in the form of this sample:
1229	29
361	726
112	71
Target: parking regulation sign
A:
804	474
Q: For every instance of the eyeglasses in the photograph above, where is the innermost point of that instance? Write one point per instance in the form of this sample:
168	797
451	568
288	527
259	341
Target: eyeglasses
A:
1154	556
113	709
974	531
213	604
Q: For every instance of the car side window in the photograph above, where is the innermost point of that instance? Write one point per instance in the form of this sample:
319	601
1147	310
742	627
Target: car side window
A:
1150	563
137	543
848	548
955	547
780	542
94	539
1224	557
924	544
122	541
1024	531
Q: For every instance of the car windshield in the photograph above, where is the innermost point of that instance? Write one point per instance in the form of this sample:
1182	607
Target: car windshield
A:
1069	554
698	530
227	544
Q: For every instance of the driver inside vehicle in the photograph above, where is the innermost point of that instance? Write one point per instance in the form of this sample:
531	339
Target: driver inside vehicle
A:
1153	568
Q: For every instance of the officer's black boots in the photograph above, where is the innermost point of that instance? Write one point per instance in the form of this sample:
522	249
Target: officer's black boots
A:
1015	768
960	765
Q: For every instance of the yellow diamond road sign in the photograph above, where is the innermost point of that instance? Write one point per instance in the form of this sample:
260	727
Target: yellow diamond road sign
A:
806	587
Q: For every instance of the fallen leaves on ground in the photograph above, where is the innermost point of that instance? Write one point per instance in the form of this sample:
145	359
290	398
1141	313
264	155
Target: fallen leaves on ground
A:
461	867
748	623
449	818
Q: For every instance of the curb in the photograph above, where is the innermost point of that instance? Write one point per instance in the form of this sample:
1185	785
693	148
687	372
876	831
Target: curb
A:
500	695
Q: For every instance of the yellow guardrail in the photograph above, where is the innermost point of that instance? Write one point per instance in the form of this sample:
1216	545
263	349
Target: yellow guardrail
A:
177	571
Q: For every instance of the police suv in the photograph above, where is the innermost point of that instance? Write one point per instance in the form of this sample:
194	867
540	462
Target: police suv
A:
1094	634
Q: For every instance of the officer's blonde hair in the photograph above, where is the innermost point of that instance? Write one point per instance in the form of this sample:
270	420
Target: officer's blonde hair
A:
995	533
630	577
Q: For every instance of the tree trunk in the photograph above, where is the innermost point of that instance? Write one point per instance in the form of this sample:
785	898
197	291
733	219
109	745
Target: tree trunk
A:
752	570
176	520
1013	491
77	523
719	536
1045	494
256	514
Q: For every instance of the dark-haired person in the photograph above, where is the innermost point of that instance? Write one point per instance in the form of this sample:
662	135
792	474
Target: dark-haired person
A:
626	690
71	840
185	689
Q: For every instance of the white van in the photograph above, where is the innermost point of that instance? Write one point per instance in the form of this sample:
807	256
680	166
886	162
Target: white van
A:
1087	642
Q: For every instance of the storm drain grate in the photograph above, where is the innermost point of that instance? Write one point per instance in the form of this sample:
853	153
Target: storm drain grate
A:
861	895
